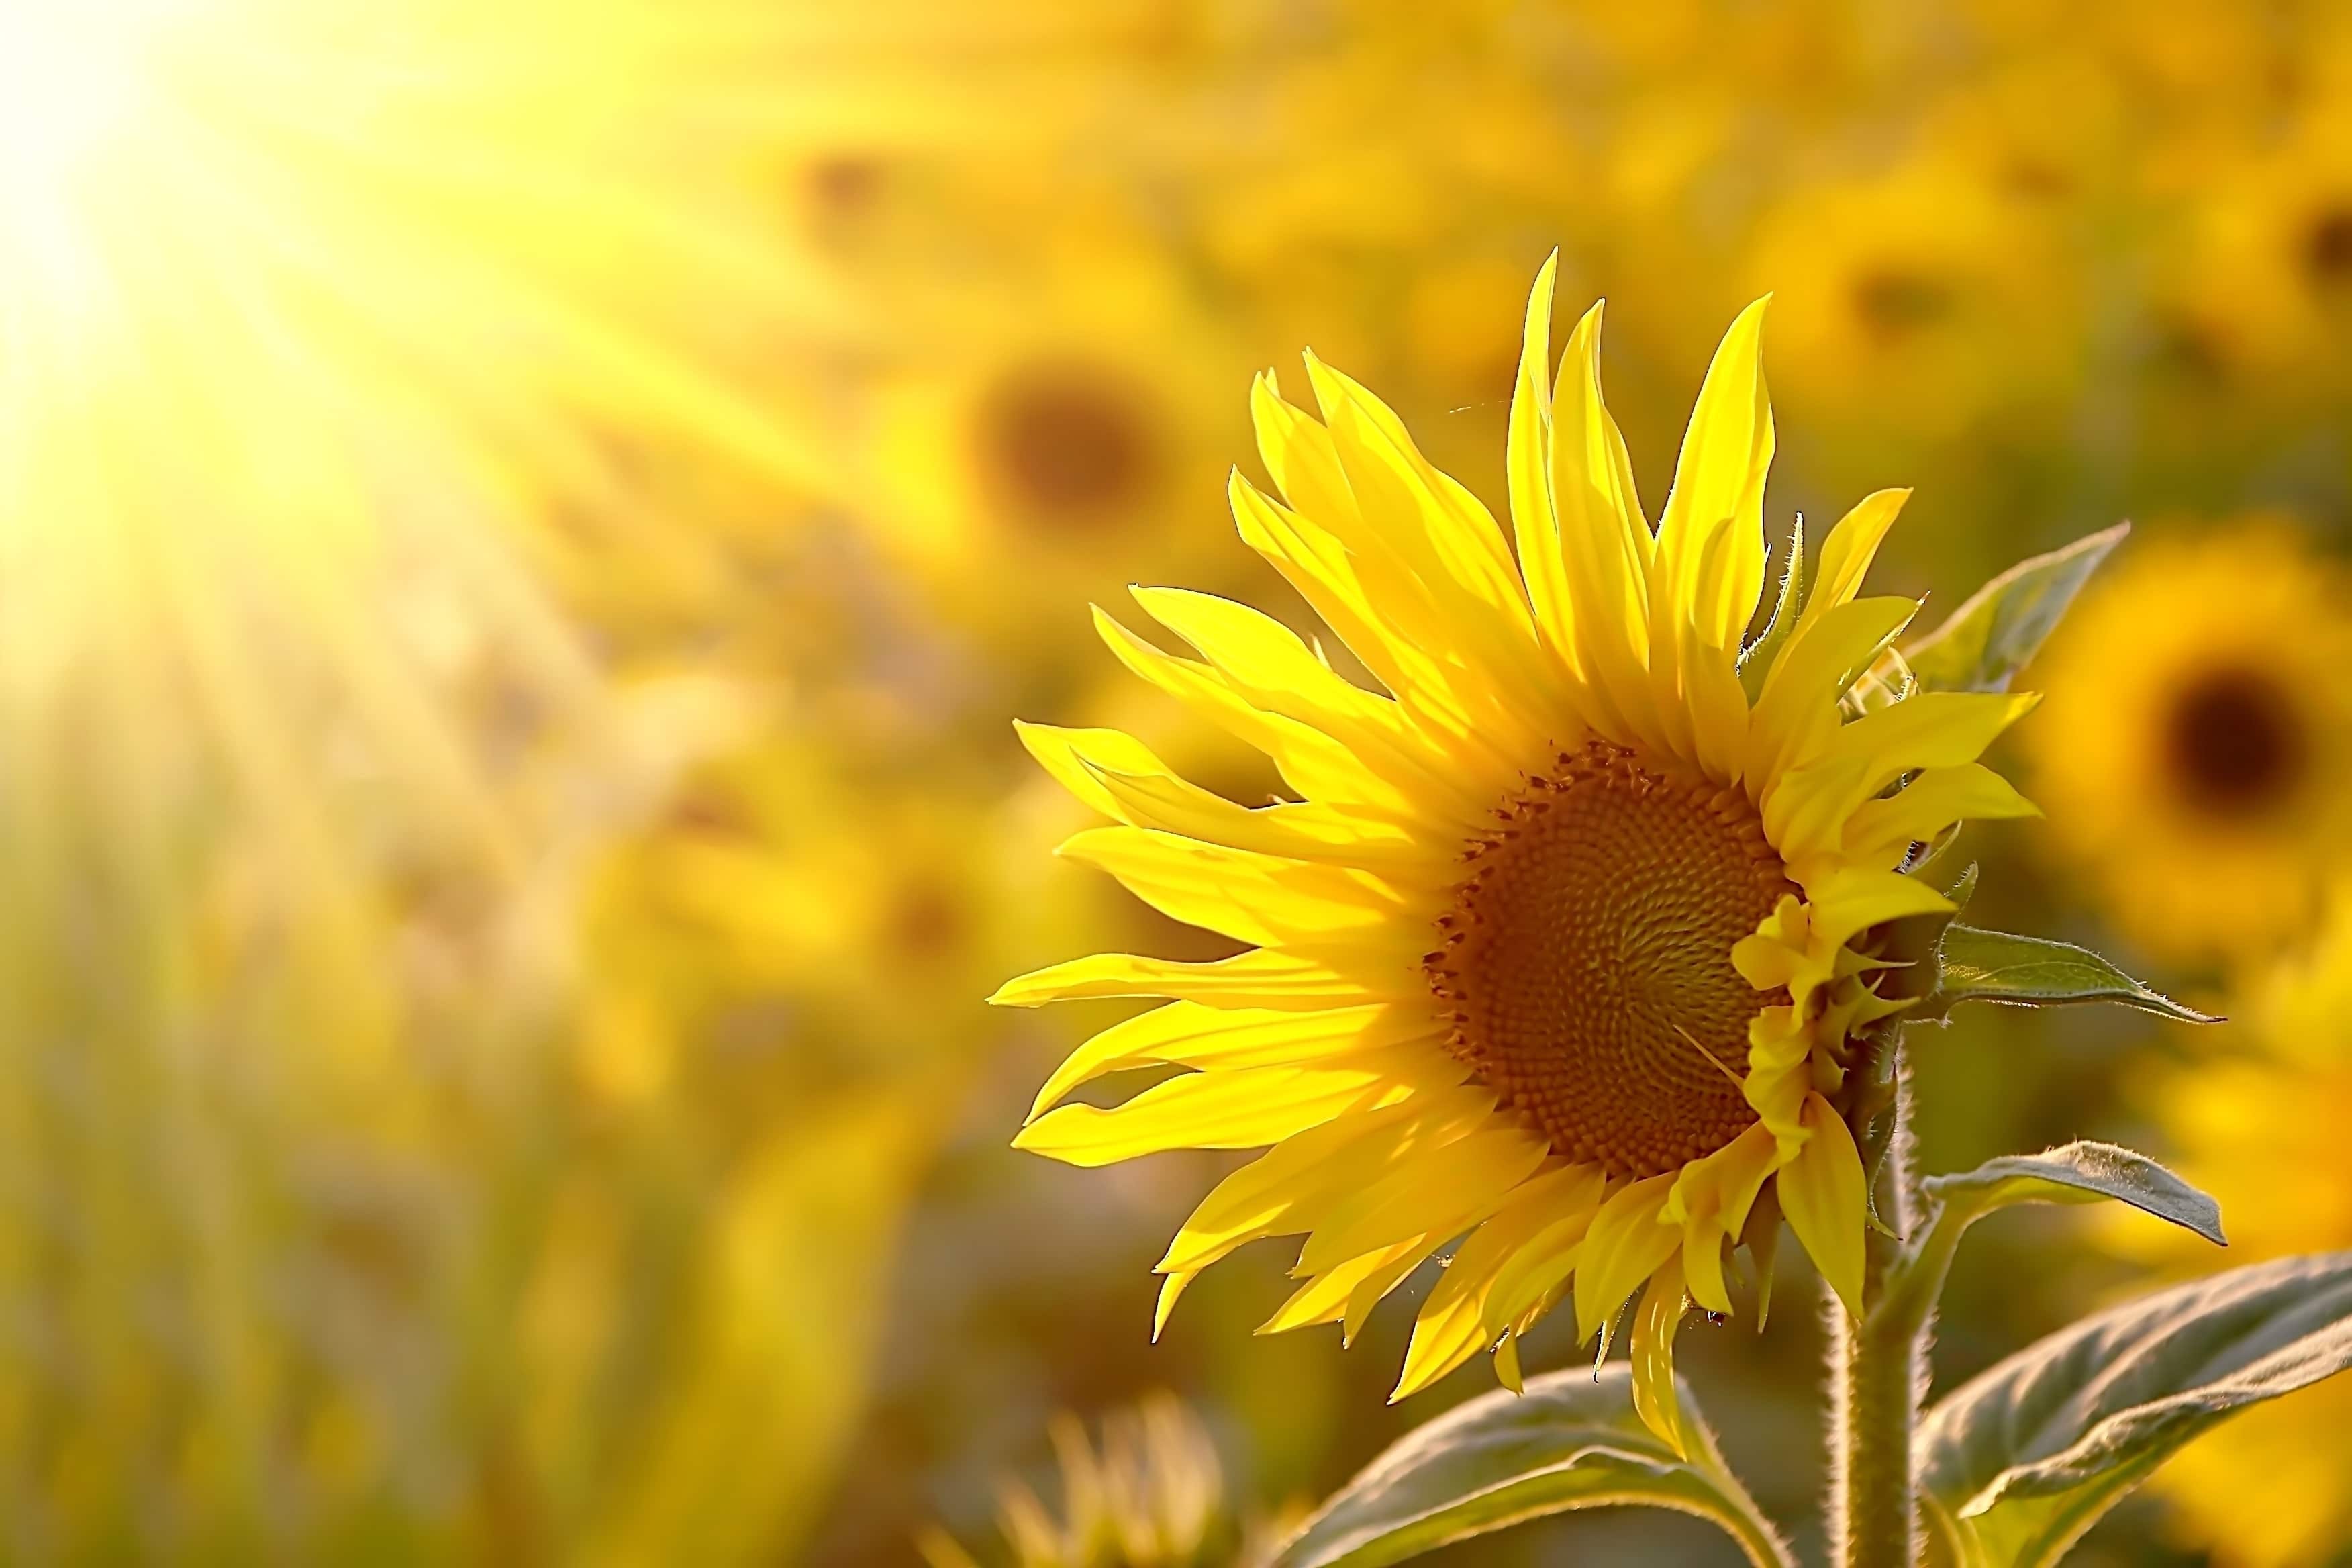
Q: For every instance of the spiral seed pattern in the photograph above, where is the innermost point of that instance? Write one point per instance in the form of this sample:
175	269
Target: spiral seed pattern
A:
1586	959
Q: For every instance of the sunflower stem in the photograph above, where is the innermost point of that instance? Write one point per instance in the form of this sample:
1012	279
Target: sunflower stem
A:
1878	1367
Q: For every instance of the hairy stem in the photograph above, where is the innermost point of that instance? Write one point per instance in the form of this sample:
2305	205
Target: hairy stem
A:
1878	1374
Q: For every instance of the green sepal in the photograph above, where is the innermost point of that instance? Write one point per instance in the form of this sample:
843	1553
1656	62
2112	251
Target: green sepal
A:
1973	964
1756	661
1983	645
1571	1441
2016	1465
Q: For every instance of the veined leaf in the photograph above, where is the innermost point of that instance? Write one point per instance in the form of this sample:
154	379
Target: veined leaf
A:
1978	965
1572	1441
2078	1174
2020	1462
1983	645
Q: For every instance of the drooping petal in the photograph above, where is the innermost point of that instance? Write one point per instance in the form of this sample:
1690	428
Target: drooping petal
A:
1462	1315
1822	1193
1293	1187
1625	1245
1438	1192
1659	1319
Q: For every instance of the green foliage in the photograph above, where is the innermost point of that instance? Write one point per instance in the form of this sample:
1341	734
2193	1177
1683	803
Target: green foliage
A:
1978	965
2077	1174
2019	1463
1756	663
1572	1441
1983	645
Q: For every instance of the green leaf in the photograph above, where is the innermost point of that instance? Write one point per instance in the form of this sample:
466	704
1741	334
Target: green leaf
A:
1983	645
2078	1174
2019	1463
1572	1441
1756	663
1977	965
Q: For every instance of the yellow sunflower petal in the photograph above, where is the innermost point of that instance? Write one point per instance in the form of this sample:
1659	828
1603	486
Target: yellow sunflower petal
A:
1260	978
1170	1287
1625	1243
1526	466
1797	714
1659	1319
1438	1192
1249	897
1294	1186
1847	553
1457	1320
1442	529
1822	1193
1186	1034
1245	1109
1605	543
1880	831
1384	618
1719	490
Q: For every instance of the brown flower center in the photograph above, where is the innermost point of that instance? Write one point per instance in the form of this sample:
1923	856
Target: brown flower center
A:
1066	442
2235	743
1894	304
1586	959
2327	248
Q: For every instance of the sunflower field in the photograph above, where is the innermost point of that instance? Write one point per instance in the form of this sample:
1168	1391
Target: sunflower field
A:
989	787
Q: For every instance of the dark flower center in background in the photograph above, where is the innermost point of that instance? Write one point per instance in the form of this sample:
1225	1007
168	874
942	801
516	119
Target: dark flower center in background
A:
844	184
2327	248
1893	303
2235	743
1068	442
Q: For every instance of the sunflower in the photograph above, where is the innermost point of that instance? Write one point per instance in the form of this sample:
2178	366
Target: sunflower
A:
1900	282
1056	438
1565	947
2261	1126
2189	761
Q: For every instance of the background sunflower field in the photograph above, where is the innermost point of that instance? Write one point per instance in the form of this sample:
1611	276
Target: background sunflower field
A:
524	527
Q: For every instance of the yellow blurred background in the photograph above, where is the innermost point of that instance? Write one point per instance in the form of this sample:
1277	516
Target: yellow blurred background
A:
524	527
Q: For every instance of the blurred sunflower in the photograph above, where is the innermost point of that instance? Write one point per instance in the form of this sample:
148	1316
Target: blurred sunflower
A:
1566	947
795	918
2191	755
2261	1128
1057	430
1924	299
2260	288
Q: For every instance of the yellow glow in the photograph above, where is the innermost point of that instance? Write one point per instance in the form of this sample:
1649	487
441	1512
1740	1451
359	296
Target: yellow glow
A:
314	318
69	73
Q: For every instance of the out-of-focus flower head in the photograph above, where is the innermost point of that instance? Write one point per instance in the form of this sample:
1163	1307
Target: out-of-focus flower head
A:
2259	1125
2198	736
1923	298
